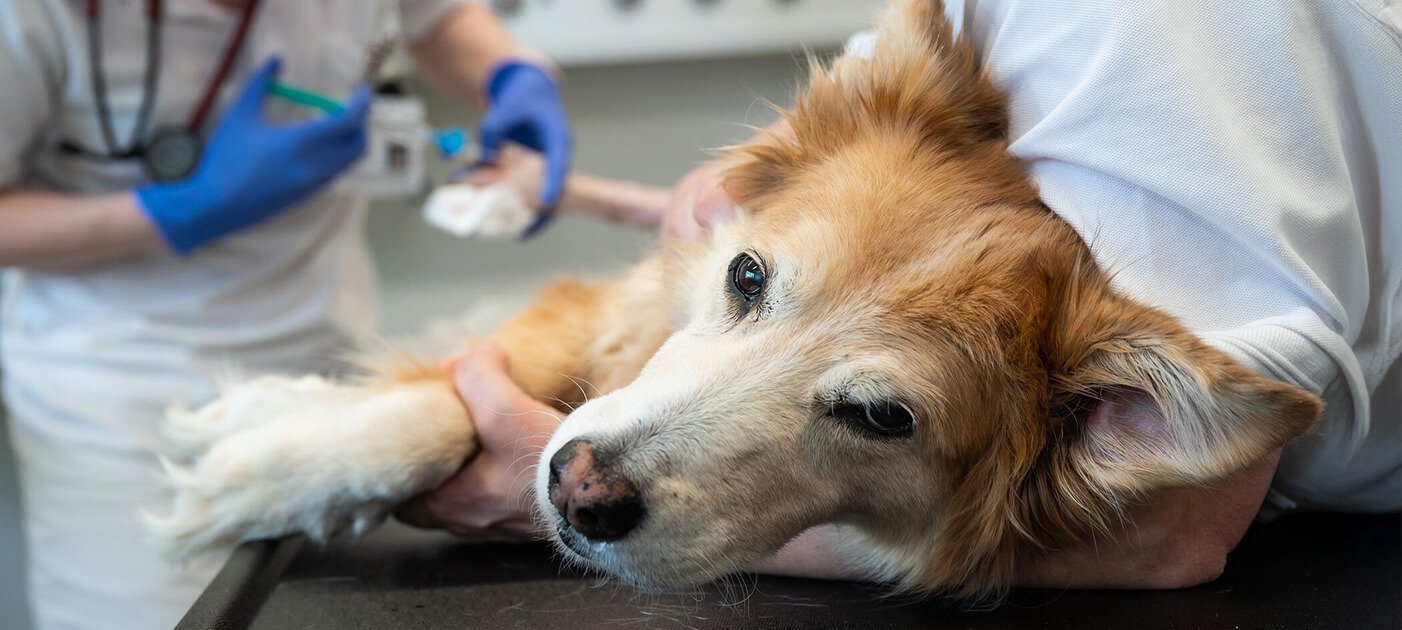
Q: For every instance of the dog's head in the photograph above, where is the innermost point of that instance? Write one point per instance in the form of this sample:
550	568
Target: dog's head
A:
898	337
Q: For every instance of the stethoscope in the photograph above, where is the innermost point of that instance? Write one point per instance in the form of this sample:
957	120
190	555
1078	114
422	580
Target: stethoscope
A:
172	153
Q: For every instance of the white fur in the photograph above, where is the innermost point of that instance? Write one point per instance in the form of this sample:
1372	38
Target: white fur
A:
276	456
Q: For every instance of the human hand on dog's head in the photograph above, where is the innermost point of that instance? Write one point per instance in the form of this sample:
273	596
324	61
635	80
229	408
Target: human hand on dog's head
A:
490	496
698	201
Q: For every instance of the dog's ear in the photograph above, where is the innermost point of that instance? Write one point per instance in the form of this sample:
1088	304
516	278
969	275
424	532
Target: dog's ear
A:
920	83
1145	405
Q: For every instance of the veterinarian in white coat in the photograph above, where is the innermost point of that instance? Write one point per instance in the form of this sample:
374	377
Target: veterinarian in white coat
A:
125	292
1238	165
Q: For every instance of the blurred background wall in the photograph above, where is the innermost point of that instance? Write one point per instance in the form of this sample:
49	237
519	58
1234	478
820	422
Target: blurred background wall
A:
651	85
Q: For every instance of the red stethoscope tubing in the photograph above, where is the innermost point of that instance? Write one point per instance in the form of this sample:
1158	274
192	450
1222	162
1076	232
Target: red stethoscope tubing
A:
225	64
155	14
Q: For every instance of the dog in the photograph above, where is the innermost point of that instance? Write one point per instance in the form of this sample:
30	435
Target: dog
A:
894	335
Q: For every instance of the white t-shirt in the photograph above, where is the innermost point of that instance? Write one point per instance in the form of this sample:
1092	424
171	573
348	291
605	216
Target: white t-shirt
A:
1238	165
283	295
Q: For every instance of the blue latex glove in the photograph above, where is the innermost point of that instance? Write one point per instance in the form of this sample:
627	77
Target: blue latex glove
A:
254	170
525	108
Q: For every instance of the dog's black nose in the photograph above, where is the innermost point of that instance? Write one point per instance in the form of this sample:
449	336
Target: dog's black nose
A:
594	500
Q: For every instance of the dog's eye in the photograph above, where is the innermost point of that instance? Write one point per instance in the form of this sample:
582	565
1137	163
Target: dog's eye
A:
746	277
883	418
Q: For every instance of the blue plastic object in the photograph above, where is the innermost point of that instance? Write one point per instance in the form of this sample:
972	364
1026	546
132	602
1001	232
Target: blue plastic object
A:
450	141
253	170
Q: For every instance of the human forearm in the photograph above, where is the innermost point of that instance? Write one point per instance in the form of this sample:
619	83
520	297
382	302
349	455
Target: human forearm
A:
460	52
812	554
628	202
700	198
623	201
1175	539
49	230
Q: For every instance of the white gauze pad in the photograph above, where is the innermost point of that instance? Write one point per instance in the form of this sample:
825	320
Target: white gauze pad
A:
496	211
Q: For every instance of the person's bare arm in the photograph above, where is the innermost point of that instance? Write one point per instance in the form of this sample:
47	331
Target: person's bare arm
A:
463	48
45	230
812	554
699	200
617	200
633	203
1175	539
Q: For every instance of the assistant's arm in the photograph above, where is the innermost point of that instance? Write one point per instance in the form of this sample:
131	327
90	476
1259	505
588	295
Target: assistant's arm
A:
38	228
1173	539
458	50
47	230
468	52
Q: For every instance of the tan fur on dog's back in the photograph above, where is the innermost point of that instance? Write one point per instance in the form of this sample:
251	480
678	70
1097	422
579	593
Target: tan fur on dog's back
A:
578	339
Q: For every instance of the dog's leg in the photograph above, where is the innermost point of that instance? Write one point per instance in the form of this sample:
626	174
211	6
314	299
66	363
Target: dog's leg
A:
241	405
277	456
314	461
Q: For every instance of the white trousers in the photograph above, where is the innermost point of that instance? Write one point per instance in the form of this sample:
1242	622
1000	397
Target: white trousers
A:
85	480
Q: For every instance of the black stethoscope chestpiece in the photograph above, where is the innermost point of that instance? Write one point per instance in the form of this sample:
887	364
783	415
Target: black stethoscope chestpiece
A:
172	154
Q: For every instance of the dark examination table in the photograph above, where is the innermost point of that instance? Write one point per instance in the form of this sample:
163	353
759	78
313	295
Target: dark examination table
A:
1323	571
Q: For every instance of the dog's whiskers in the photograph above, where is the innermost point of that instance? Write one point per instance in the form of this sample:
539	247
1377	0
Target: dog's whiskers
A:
564	403
577	380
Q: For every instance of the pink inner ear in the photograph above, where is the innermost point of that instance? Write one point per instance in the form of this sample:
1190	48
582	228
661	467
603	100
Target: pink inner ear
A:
1125	419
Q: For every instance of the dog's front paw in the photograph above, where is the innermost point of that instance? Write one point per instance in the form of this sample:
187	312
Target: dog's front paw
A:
240	406
292	457
258	484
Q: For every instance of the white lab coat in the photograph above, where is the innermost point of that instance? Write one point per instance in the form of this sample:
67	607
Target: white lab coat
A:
1239	165
91	358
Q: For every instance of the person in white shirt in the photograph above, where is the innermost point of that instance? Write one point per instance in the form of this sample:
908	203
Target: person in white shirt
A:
162	222
1236	164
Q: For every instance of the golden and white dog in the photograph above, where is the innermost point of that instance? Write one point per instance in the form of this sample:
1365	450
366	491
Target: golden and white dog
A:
895	336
